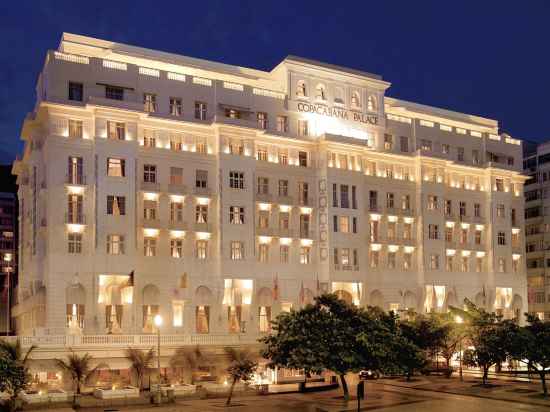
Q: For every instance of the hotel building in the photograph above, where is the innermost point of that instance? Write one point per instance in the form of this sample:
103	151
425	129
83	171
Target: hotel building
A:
218	196
536	165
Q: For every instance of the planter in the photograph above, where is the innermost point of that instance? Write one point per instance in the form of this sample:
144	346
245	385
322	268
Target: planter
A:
54	395
124	392
178	388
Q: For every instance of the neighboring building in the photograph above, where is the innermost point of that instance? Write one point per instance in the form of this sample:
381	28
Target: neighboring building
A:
536	165
219	196
8	257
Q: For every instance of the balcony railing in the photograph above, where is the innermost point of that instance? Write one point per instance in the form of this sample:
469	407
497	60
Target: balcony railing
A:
202	191
150	186
75	180
177	189
75	219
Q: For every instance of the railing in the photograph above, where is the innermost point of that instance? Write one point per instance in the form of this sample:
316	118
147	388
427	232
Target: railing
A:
75	219
150	186
102	341
177	189
202	191
75	180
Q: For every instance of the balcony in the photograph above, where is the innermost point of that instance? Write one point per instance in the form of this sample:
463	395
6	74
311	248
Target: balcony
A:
264	197
266	231
285	200
173	225
75	219
75	180
202	227
150	186
202	191
150	223
123	104
177	189
289	233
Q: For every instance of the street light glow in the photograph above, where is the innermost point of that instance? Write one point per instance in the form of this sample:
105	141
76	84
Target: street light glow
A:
458	319
158	320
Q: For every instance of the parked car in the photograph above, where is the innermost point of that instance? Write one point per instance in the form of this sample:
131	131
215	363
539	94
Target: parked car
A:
367	375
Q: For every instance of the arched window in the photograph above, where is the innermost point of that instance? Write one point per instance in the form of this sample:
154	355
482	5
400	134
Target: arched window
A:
355	99
321	92
339	95
371	103
301	90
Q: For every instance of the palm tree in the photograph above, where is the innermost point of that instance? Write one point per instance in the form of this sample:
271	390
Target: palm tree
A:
140	361
14	350
190	360
241	368
79	367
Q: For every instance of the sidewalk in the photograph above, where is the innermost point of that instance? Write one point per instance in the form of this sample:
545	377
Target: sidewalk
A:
499	389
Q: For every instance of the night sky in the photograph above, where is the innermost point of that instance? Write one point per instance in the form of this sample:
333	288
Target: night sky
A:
486	57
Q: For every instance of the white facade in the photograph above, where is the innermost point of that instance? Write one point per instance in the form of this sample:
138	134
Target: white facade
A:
245	193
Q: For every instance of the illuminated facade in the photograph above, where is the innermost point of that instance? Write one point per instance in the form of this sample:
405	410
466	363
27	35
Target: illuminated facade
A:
219	196
537	227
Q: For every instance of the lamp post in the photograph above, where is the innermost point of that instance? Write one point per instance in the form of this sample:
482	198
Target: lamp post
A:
7	259
158	323
459	321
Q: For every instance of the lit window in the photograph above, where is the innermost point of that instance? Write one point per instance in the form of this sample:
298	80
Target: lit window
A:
149	102
236	180
75	129
149	246
236	215
115	244
176	107
201	249
116	130
305	255
282	124
321	92
237	250
371	103
263	253
200	110
74	243
284	252
301	90
176	248
149	138
264	318
115	167
303	128
262	120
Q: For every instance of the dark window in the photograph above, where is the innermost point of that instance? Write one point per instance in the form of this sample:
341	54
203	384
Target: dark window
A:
76	91
114	92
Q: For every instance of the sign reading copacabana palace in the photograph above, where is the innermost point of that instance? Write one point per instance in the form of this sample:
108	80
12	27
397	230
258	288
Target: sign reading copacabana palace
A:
337	112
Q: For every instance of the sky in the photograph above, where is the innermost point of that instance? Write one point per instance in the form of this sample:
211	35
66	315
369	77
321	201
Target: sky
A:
486	57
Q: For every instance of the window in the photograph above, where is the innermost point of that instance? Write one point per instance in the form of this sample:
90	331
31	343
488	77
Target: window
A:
302	159
236	215
388	142
334	195
343	160
449	263
464	264
263	185
261	118
477	210
237	250
301	89
460	154
374	258
176	176
501	265
304	226
236	147
321	92
463	236
405	202
355	99
232	113
201	249
75	207
200	110
371	103
201	179
114	92
344	196
404	144
426	145
501	211
445	148
432	202
176	212
282	124
75	129
302	128
149	138
354	197
501	238
479	264
283	253
392	230
344	224
448	234
202	319
76	91
373	200
176	107
305	255
264	318
116	130
344	256
448	208
263	253
149	246
303	193
475	157
74	170
499	185
407	261
477	237
201	214
177	314
149	209
434	262
149	173
373	229
116	167
149	102
433	231
261	153
462	208
74	243
390	200
283	188
115	244
236	180
116	205
283	156
284	220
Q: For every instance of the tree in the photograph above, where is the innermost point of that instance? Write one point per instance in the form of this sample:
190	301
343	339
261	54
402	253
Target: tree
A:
241	368
14	350
299	340
406	356
189	360
13	379
140	362
450	337
531	345
80	370
487	334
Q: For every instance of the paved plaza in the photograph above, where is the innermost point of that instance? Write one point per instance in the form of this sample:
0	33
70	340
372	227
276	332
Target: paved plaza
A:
422	394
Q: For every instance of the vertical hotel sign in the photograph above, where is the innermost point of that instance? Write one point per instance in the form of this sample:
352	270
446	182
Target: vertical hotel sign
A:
337	113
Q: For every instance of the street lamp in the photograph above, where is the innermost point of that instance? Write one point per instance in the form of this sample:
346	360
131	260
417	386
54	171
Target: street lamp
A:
158	323
7	259
459	320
